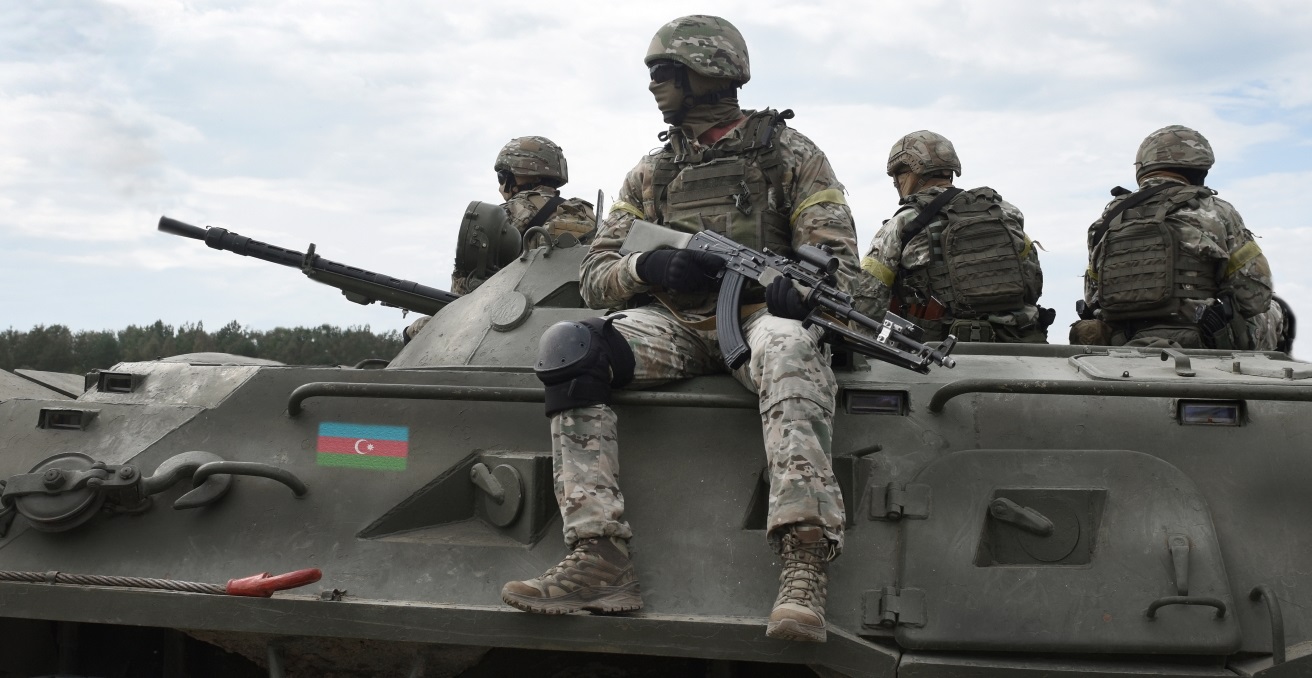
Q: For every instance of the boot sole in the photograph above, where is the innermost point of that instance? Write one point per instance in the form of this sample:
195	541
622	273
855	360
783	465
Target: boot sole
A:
597	600
790	629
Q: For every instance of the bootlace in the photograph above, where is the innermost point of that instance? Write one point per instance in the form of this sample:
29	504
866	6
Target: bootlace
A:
803	576
576	555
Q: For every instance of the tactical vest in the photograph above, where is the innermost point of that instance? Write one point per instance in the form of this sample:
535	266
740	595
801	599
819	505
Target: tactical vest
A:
1141	270
975	260
735	188
560	215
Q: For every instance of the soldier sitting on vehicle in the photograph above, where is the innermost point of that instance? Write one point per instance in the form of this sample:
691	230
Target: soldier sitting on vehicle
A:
1171	264
955	261
529	172
751	177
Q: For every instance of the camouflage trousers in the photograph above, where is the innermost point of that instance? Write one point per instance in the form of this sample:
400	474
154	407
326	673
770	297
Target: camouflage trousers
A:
796	390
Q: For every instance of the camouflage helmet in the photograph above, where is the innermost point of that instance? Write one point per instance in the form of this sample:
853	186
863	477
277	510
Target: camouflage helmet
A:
923	152
533	156
1173	146
708	45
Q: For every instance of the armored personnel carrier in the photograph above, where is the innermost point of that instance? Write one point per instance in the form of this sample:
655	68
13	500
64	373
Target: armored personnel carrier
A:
1036	511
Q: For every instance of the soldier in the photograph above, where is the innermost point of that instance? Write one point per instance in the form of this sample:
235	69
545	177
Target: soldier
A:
750	176
1172	264
980	278
529	172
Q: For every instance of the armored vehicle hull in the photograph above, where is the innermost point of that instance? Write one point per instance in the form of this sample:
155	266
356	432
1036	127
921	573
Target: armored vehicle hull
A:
1036	511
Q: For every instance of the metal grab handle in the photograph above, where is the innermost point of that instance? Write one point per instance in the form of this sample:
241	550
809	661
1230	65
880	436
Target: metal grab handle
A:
1263	592
1022	517
546	236
1186	600
196	497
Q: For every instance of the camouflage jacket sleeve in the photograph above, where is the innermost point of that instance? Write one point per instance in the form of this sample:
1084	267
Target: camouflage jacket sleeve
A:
883	258
1247	273
607	279
1030	270
820	215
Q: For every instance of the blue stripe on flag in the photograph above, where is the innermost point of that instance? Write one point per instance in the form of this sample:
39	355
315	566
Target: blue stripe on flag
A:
334	429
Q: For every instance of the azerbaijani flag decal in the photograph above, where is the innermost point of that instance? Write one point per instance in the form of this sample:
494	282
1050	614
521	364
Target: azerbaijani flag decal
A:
380	448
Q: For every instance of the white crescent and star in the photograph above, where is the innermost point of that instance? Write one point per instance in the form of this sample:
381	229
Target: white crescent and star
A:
367	448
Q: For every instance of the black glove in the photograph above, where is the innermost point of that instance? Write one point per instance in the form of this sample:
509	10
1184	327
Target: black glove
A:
1212	320
783	300
680	270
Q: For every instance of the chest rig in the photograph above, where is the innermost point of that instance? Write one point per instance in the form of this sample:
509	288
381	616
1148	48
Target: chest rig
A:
1142	270
974	259
734	188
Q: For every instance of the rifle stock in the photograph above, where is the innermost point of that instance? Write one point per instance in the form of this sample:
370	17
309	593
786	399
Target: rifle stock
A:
357	284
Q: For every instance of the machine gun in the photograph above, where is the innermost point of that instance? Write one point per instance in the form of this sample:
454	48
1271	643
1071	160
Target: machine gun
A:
356	284
896	340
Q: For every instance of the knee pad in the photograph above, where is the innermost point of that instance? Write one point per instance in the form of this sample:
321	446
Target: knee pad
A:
580	361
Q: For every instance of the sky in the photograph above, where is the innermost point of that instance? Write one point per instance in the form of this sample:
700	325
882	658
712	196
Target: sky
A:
366	128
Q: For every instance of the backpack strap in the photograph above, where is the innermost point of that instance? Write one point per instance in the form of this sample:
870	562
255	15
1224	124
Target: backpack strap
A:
1136	198
545	213
927	215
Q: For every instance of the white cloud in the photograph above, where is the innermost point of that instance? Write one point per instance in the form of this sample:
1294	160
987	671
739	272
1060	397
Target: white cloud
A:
367	127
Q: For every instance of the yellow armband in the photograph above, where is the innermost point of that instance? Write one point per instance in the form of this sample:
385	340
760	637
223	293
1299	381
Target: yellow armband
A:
621	206
1248	252
881	272
832	195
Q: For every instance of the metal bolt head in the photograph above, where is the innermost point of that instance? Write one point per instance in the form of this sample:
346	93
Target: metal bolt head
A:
94	483
53	478
127	473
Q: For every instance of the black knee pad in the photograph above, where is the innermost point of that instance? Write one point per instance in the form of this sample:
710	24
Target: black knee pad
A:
580	361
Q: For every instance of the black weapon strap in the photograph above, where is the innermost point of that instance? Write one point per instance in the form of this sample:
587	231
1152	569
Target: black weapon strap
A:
927	215
545	213
1136	198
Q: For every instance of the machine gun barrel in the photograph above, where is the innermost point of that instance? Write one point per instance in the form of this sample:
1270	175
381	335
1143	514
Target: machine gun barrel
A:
357	284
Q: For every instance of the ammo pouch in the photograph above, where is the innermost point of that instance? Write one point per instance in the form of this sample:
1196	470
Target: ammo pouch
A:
972	330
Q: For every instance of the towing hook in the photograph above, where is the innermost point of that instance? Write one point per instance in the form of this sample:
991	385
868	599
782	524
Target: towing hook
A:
262	585
211	477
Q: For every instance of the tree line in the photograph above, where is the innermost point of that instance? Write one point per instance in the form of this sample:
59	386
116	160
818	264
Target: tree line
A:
56	348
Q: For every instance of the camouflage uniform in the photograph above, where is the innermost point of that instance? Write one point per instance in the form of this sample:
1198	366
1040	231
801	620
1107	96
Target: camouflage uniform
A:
888	263
787	369
1211	230
1269	328
573	216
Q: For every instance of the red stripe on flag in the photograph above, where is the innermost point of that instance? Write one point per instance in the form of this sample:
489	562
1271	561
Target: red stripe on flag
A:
364	447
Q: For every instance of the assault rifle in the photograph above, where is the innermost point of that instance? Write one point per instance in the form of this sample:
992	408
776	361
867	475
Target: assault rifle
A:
356	284
896	340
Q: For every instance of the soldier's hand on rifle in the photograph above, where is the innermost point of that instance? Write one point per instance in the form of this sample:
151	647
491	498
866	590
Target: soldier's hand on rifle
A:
783	300
680	270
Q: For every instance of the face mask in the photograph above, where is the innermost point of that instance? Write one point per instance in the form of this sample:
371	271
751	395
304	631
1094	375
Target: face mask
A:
669	99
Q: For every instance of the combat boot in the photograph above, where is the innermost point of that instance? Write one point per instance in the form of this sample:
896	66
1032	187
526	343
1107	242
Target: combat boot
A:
597	577
799	611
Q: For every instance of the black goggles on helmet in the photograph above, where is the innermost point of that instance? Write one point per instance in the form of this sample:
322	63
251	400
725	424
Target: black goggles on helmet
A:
664	70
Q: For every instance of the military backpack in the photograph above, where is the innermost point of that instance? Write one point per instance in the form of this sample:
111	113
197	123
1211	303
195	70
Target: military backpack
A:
975	257
1140	268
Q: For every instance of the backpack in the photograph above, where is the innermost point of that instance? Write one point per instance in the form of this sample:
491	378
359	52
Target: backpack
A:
1141	270
975	264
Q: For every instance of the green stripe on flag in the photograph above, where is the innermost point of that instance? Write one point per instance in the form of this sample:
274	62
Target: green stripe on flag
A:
362	461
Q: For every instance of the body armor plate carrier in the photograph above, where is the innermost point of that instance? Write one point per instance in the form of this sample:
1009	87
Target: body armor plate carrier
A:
1141	270
734	189
975	259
